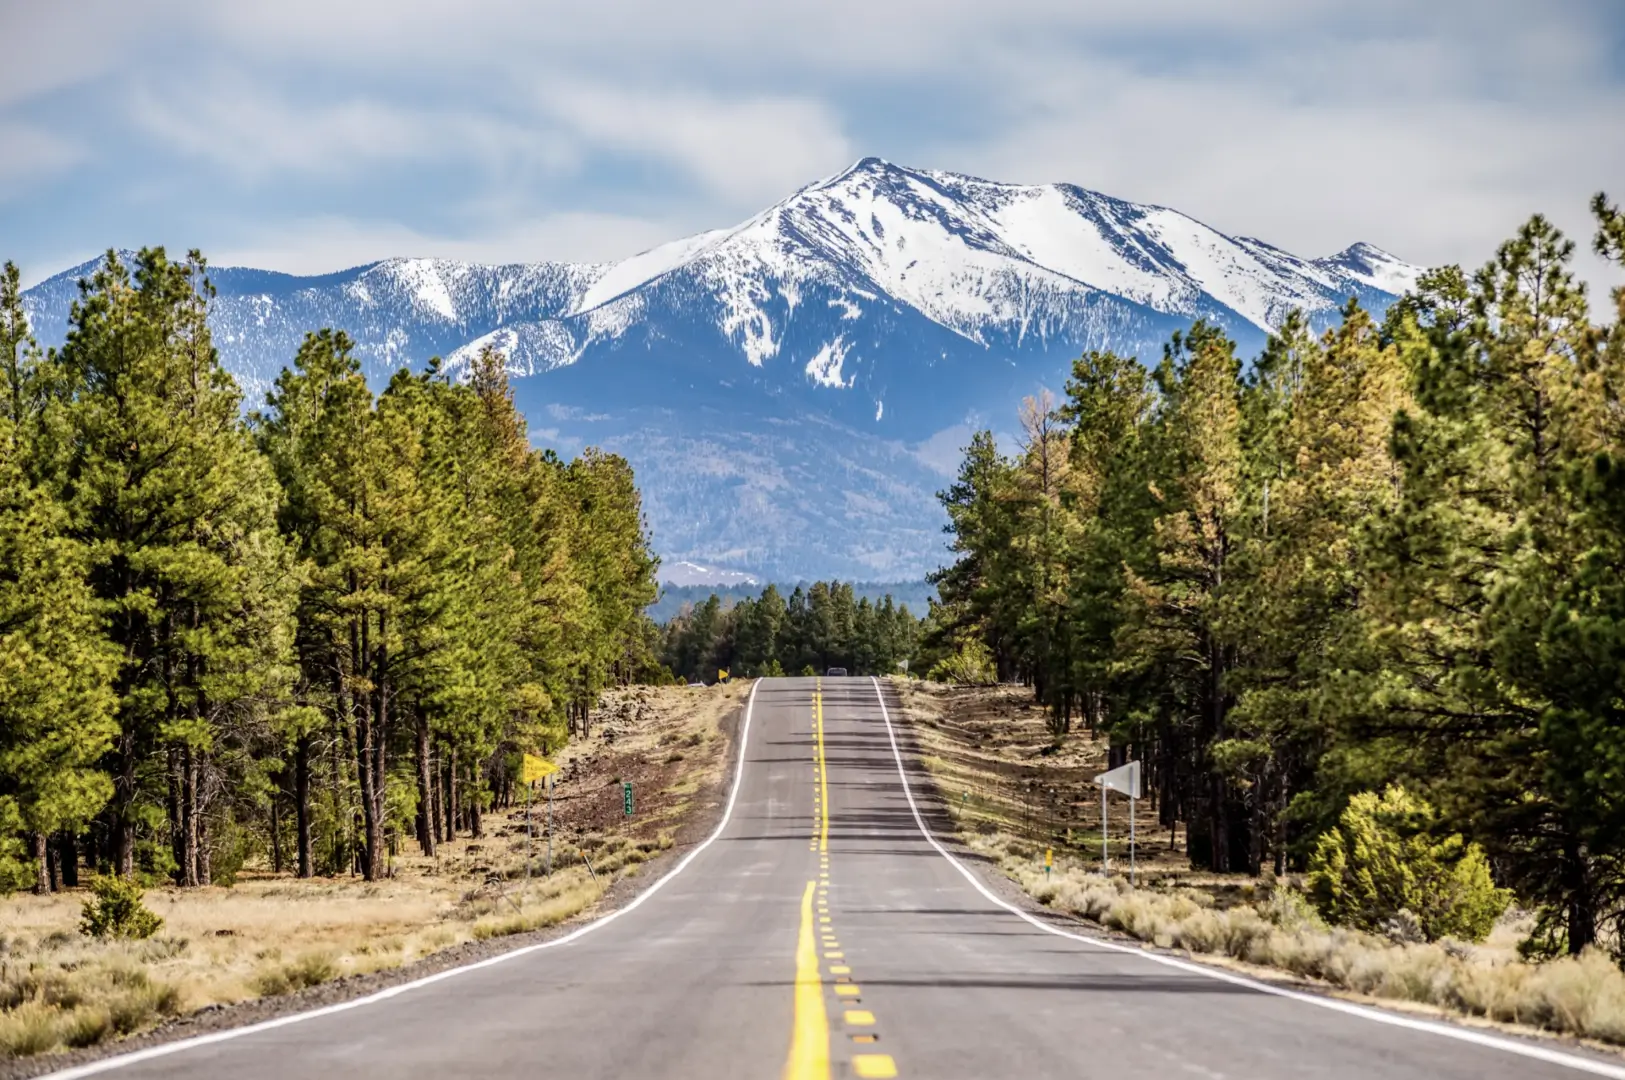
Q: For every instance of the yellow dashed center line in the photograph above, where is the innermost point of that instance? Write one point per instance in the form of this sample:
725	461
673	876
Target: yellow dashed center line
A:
809	1061
823	772
873	1066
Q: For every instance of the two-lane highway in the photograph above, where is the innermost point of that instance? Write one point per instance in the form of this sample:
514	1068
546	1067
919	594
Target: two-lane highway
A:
820	933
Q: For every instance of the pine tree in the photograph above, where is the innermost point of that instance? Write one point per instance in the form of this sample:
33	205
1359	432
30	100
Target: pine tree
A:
1474	663
177	511
56	664
1173	632
1322	469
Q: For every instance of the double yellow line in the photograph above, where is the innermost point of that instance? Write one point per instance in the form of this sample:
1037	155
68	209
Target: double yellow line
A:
809	1040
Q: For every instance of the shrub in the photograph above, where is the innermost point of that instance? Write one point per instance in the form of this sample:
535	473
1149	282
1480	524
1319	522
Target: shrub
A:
1382	870
970	665
116	911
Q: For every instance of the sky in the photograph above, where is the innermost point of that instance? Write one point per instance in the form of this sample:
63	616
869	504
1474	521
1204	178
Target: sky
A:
313	135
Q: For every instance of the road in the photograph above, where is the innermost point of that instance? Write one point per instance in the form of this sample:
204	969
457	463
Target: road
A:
821	933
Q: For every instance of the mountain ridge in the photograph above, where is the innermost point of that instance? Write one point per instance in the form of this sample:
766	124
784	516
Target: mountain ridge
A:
776	383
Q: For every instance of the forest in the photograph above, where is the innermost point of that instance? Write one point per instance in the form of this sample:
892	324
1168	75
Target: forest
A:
1390	554
306	634
826	624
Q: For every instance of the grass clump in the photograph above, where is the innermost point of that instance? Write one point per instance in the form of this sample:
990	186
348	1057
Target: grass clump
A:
79	1001
311	969
562	899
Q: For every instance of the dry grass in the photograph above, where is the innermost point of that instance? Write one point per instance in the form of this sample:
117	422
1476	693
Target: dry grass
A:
1261	923
273	935
999	771
1582	996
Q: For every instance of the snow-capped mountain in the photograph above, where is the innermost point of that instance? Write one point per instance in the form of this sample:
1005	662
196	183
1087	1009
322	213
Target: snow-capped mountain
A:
787	387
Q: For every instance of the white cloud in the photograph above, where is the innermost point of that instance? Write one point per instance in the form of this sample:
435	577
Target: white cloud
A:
323	244
1314	150
32	154
1429	129
256	134
753	148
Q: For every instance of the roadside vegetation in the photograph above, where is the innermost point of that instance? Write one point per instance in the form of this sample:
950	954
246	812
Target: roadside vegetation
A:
1356	606
993	765
269	669
63	984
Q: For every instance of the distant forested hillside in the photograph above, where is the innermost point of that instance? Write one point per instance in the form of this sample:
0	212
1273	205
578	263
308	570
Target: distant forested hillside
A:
812	629
914	595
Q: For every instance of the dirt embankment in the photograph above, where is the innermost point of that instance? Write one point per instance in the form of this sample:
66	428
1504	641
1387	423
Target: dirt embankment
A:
999	771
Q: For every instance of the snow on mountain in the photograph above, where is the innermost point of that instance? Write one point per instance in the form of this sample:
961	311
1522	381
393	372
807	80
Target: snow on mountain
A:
999	266
809	352
683	572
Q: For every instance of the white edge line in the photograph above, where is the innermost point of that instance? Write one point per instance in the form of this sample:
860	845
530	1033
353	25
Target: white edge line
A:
1528	1050
164	1049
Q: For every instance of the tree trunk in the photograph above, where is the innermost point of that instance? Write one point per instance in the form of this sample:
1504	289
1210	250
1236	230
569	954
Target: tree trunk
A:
373	811
369	750
276	825
1581	921
425	819
437	814
122	824
474	827
301	804
189	816
205	869
451	793
173	803
42	870
68	847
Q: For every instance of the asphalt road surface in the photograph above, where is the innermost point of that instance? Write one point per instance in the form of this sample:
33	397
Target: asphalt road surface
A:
821	933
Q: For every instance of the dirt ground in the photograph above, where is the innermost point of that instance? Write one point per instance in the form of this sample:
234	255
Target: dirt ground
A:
271	935
998	770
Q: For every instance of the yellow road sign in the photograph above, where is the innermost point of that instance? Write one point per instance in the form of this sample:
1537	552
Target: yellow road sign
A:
535	768
1049	858
722	674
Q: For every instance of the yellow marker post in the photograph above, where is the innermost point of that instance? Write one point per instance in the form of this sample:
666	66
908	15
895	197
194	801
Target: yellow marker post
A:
1049	860
532	769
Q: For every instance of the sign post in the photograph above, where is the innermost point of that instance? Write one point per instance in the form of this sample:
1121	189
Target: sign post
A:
532	769
626	797
1126	779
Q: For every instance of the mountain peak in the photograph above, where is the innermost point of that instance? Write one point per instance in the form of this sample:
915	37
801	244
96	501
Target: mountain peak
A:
790	389
1371	265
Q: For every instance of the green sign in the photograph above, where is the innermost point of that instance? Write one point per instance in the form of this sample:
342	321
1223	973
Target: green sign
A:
626	797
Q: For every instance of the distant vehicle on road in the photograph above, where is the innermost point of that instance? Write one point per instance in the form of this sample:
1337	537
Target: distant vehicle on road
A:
834	671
